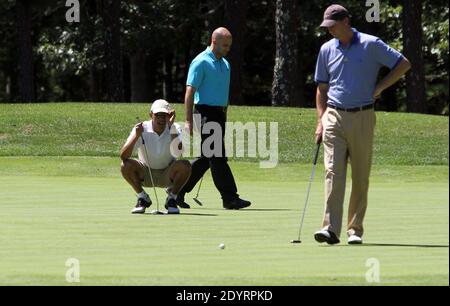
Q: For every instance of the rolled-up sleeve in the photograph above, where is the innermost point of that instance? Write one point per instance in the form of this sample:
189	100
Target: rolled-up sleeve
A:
195	75
322	75
385	55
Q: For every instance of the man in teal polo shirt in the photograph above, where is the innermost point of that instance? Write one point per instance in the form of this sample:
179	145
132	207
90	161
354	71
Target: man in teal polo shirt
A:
207	88
346	73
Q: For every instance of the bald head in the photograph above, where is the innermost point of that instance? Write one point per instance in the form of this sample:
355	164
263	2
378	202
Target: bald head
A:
221	41
221	33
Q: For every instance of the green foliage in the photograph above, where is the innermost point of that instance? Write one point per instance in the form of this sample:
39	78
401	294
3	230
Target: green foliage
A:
436	56
8	52
67	55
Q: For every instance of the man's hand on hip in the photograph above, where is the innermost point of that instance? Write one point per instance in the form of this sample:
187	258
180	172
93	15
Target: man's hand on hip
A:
377	93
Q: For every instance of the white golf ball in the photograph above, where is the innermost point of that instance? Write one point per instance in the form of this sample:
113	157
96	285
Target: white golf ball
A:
221	246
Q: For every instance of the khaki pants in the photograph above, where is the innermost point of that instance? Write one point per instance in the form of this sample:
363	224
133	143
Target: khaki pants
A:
347	135
160	176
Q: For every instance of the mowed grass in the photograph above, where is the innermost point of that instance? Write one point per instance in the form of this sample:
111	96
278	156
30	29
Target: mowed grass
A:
62	196
83	129
53	209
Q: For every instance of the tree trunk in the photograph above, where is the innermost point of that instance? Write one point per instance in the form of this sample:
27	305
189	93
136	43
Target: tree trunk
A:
27	92
94	86
413	46
302	75
389	101
111	19
139	87
178	80
191	48
167	76
126	78
286	79
235	21
8	88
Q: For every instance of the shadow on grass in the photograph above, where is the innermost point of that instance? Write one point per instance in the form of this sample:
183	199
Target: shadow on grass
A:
201	215
267	209
247	209
400	245
182	213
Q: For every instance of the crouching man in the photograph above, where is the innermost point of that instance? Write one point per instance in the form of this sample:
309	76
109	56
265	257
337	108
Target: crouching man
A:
158	143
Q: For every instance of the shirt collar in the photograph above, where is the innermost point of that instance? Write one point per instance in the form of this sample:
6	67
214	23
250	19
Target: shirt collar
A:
211	54
151	130
355	38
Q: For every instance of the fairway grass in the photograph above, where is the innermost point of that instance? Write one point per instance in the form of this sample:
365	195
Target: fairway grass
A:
100	129
56	208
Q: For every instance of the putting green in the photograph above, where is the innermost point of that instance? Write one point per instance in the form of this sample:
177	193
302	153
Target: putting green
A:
55	208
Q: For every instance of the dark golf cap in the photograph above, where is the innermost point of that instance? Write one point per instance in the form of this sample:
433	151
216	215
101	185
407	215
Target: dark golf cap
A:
332	14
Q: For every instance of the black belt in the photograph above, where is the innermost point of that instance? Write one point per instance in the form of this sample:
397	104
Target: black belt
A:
209	107
352	110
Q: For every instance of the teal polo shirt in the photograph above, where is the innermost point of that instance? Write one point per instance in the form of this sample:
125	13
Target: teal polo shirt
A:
211	79
352	72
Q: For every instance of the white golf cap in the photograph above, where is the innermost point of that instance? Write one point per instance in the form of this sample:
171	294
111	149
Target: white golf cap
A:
160	106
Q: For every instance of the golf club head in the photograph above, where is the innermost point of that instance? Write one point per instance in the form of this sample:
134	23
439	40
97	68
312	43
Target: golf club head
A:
198	201
156	212
296	241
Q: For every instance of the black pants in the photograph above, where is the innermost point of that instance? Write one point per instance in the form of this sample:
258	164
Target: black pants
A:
220	170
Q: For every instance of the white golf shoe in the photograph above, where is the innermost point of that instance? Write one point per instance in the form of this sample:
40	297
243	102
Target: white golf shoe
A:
353	239
141	205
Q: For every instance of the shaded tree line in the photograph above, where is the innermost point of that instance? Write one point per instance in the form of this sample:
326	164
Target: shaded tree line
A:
137	50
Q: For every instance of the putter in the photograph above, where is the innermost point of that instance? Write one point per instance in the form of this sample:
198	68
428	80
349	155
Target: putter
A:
307	194
157	211
198	191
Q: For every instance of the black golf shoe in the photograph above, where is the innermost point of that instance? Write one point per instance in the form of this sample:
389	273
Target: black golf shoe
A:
141	205
236	204
181	203
171	206
326	236
180	199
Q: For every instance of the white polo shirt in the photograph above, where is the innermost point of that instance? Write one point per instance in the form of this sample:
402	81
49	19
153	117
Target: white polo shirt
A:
158	146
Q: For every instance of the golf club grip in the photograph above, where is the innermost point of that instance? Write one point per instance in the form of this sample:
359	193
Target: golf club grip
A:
142	138
317	154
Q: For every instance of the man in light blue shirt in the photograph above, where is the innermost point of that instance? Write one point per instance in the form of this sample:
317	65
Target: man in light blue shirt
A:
207	88
211	78
346	73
